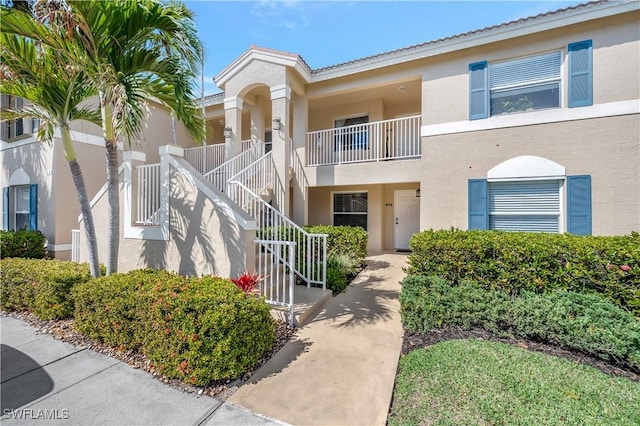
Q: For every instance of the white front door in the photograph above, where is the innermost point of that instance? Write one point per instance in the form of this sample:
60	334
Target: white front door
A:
406	211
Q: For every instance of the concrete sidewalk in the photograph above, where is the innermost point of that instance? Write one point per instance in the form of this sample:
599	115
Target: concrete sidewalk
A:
46	381
340	368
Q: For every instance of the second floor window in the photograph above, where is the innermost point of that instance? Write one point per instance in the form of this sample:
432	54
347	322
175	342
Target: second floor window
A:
351	133
532	82
525	84
11	129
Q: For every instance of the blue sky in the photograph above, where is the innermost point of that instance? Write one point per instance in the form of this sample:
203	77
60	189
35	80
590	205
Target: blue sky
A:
330	32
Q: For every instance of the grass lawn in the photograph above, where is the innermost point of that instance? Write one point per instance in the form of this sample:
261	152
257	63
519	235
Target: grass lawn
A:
465	382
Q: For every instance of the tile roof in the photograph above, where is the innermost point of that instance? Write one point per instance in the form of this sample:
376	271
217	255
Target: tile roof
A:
466	34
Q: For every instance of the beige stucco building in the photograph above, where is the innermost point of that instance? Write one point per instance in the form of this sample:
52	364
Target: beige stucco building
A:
528	125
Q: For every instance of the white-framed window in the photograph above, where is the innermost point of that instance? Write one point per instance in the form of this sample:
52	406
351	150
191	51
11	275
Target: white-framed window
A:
22	208
532	82
525	84
350	208
525	205
351	132
12	129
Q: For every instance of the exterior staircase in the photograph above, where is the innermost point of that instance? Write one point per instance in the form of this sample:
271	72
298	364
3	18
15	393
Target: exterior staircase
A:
286	254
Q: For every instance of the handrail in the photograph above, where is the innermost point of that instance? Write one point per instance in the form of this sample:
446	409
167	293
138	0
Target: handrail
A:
219	176
206	157
311	250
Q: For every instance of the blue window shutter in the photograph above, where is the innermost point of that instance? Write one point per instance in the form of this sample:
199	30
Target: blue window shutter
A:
579	204
33	207
478	90
478	217
580	74
5	208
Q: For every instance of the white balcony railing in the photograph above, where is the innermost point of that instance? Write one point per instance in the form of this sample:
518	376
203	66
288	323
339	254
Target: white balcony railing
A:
380	140
148	195
205	158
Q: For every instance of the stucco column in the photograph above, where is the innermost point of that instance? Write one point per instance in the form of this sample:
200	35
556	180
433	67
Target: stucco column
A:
233	119
300	182
280	98
257	124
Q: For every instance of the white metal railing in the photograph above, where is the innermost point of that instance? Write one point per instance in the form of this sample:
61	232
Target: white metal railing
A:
257	177
246	144
310	250
219	176
276	263
205	158
148	195
376	141
75	245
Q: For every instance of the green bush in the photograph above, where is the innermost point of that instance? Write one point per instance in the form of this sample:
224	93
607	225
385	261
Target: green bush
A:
587	323
336	275
42	286
22	243
342	241
516	261
196	329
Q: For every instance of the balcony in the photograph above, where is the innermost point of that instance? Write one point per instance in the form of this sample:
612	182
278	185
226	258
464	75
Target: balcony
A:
381	140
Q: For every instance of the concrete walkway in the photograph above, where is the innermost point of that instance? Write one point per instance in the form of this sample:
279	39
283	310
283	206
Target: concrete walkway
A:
46	381
340	368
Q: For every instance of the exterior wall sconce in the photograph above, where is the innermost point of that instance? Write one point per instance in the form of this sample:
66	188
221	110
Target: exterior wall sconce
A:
277	123
418	193
227	132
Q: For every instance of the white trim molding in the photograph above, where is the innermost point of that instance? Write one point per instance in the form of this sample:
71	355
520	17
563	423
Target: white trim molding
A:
526	167
557	115
58	247
233	102
281	91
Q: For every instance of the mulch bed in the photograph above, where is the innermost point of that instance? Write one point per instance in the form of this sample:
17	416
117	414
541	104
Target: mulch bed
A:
415	340
63	330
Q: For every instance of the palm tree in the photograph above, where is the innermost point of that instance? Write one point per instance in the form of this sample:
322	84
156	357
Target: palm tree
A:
137	50
55	92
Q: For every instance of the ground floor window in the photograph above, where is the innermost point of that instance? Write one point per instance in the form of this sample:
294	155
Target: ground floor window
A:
350	209
19	207
524	206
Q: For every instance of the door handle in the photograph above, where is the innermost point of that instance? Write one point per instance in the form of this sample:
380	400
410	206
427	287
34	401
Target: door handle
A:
396	220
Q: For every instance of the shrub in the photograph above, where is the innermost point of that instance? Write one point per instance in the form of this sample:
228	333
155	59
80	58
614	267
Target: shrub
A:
247	281
22	243
342	241
42	286
336	276
587	323
194	329
517	261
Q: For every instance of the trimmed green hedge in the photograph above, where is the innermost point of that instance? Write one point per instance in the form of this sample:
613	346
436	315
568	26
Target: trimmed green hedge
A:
22	243
587	323
194	329
344	240
42	286
516	261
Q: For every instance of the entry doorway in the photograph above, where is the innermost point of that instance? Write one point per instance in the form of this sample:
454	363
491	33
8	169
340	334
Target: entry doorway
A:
406	212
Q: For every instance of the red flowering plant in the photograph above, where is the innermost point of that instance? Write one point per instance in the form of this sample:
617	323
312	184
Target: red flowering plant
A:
247	281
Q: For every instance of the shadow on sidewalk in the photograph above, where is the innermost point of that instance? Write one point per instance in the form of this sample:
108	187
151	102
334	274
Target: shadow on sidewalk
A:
23	379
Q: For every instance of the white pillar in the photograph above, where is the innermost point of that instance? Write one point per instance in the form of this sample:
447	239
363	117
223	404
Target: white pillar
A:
233	119
257	124
280	98
300	183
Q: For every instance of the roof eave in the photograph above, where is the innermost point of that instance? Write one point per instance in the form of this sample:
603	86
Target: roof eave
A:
479	38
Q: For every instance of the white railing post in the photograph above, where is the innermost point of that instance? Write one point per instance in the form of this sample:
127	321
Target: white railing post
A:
75	245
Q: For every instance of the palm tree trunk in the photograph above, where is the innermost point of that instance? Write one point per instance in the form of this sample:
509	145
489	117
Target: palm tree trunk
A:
85	204
113	193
